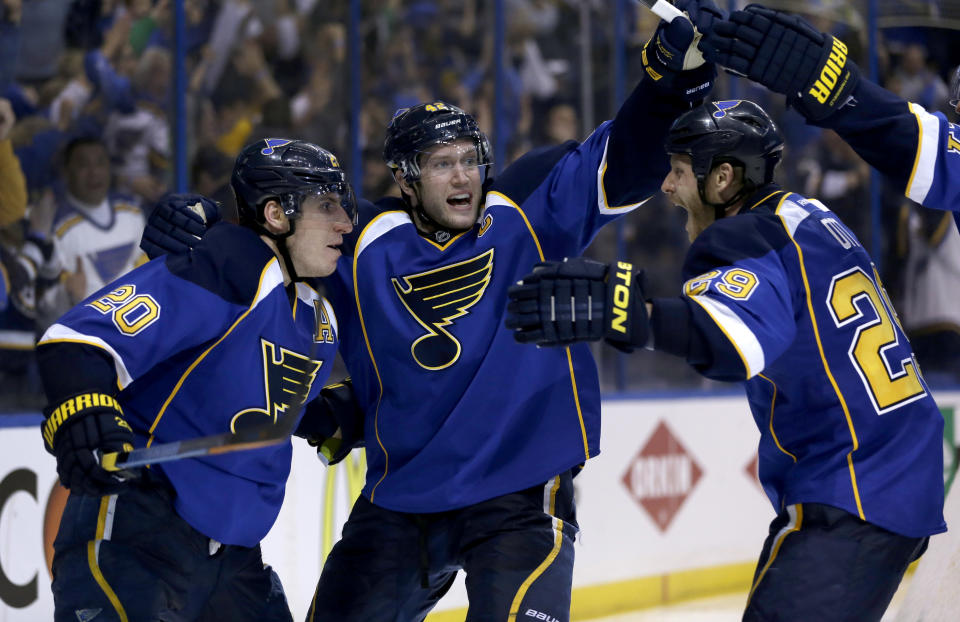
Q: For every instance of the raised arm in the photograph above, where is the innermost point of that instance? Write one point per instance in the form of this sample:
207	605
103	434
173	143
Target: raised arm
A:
916	150
676	78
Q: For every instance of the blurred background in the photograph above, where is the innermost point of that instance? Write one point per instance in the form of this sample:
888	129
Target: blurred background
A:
108	104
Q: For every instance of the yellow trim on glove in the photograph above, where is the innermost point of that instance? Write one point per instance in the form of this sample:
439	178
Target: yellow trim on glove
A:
79	405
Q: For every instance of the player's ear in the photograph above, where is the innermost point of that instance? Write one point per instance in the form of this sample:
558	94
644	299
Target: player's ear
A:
724	178
274	220
405	186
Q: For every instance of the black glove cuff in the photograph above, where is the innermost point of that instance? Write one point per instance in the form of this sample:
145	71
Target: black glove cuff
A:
831	85
626	322
72	408
670	326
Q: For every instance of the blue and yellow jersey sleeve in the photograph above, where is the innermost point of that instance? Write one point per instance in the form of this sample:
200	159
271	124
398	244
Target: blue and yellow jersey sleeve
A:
736	313
567	192
918	151
171	305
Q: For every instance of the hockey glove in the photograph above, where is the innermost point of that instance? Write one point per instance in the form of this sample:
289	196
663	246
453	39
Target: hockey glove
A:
787	55
563	302
177	222
333	422
78	432
671	57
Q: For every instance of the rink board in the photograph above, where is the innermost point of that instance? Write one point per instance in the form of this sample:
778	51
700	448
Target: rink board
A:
670	510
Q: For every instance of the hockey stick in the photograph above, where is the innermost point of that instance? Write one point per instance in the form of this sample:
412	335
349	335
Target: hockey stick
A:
247	438
253	437
667	12
664	9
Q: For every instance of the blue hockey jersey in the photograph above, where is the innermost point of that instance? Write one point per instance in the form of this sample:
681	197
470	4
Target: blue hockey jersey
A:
783	296
456	411
206	343
918	151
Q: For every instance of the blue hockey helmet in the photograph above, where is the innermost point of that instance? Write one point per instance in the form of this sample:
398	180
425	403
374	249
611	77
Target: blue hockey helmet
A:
287	171
413	130
739	132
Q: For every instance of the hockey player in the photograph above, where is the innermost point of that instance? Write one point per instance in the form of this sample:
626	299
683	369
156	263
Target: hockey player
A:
225	337
472	440
917	150
779	293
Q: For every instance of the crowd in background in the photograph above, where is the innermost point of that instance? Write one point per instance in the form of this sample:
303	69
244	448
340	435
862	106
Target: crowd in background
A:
86	144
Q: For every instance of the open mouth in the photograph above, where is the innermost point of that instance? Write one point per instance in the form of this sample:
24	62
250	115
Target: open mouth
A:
459	201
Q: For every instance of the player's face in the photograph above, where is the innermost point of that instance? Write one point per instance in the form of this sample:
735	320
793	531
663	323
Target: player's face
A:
450	183
88	173
680	185
315	244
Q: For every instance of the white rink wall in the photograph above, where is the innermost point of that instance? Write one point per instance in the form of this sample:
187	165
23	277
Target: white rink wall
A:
674	490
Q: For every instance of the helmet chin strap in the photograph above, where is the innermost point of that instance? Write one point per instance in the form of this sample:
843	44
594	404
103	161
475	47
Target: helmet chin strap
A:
280	239
720	209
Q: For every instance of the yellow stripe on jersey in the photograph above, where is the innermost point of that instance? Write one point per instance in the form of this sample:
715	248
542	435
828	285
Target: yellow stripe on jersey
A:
366	339
928	143
773	402
573	380
273	263
787	221
737	332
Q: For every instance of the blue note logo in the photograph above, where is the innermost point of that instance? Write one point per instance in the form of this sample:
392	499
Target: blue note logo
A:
287	378
724	106
438	297
273	143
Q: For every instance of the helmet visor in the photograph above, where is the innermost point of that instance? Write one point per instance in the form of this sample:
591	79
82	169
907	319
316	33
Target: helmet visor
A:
444	159
329	197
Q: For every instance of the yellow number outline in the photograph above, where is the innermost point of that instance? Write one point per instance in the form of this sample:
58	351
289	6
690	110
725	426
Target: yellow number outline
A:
874	341
122	302
735	283
699	284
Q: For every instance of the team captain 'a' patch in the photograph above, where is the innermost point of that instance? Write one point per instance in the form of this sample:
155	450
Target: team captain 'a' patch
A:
436	298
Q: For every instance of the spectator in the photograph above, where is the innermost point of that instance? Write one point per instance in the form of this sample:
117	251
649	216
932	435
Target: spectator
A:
96	231
13	185
931	303
917	83
837	176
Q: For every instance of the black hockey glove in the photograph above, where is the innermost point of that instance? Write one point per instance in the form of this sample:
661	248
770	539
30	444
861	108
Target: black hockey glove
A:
78	432
335	409
787	55
563	302
671	57
177	222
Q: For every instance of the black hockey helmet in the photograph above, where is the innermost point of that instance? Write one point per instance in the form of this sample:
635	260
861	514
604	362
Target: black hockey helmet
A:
413	130
736	131
288	171
955	88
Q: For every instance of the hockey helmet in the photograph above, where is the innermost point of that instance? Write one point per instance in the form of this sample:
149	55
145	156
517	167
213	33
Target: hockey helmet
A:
288	171
413	130
955	88
737	131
